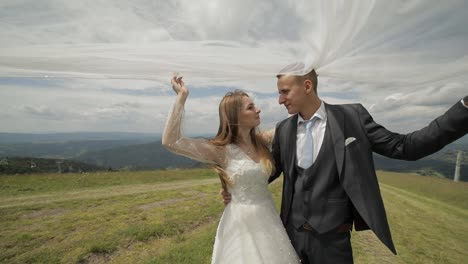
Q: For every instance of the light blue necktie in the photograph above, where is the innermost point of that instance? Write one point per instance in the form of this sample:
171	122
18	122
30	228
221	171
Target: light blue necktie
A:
307	153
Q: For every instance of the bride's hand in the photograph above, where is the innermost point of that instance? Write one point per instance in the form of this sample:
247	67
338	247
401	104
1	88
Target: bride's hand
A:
178	85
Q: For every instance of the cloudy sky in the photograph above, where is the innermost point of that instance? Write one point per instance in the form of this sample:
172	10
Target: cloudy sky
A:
106	65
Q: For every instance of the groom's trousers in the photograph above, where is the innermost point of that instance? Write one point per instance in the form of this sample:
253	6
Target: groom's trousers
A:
332	247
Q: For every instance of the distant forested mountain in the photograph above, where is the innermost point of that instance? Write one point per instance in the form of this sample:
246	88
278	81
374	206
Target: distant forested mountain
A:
75	136
22	165
426	167
134	153
61	150
138	157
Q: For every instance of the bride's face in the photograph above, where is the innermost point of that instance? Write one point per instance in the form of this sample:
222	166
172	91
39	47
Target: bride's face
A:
249	114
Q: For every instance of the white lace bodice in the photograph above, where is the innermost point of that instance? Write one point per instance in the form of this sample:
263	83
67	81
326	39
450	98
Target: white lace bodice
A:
249	179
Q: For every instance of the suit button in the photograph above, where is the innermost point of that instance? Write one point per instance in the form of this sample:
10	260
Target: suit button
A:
308	227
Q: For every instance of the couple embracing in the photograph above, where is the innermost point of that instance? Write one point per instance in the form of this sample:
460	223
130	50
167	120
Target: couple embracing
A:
325	155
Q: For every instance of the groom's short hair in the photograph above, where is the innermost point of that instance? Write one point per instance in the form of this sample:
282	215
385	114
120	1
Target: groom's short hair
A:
312	76
289	70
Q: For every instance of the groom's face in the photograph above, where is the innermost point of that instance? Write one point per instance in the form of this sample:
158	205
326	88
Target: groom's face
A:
291	93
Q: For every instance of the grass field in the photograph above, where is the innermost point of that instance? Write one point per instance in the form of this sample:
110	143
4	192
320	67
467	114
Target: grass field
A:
171	217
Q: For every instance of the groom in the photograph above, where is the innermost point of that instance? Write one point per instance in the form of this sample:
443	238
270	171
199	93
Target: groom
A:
325	153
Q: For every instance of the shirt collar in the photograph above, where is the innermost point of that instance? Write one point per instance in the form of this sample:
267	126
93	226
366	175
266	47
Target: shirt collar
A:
321	114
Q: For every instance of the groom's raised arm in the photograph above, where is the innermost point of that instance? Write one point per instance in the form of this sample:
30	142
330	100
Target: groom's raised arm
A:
443	130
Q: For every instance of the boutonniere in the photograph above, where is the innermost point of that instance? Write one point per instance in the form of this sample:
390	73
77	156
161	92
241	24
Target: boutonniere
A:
349	140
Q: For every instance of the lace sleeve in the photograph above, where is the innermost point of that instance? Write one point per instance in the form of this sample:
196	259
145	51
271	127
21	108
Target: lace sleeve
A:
198	149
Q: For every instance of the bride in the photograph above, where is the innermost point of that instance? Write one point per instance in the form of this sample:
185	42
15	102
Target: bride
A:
250	230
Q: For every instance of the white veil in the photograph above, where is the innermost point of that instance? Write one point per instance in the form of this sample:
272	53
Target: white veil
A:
405	44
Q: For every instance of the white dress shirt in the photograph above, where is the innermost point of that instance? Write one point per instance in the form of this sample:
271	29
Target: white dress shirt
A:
318	132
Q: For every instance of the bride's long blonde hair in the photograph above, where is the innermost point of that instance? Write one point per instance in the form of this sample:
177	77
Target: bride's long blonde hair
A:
228	132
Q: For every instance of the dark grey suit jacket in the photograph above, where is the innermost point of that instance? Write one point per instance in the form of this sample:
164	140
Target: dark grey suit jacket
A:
355	162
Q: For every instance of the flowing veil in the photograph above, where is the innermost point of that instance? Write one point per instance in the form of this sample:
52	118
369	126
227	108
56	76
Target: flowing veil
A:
406	45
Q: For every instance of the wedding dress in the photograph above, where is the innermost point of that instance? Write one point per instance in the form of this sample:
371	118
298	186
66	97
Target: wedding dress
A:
250	229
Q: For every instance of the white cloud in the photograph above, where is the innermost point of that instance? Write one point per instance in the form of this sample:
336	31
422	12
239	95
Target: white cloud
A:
83	109
114	59
230	41
88	108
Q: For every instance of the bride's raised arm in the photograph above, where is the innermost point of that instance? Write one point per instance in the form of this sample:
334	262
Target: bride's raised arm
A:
174	140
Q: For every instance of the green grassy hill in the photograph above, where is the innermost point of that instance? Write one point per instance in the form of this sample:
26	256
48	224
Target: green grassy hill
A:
171	217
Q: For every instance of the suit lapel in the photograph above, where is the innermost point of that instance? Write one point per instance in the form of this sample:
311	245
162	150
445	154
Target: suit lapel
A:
336	125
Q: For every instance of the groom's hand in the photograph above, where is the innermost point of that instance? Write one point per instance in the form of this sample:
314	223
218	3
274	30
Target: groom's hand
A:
226	196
